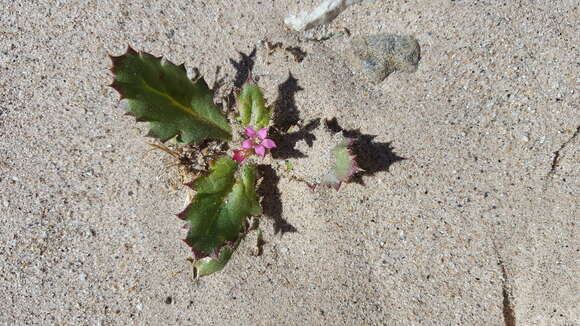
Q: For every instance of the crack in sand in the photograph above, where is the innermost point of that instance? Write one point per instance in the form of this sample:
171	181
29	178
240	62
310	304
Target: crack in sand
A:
556	159
509	315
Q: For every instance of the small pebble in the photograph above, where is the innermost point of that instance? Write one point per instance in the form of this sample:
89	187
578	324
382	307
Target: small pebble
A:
283	250
15	179
401	235
83	276
377	56
5	203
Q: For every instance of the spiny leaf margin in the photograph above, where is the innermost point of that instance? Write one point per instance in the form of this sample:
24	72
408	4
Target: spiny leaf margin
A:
252	107
344	164
217	214
209	265
160	92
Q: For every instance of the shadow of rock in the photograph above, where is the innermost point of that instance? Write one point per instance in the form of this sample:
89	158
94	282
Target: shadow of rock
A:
372	157
271	202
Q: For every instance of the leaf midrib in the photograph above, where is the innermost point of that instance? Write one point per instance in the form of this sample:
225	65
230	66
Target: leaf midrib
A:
187	110
221	196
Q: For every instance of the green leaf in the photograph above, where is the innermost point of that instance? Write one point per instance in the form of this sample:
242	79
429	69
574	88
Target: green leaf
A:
345	165
217	214
252	106
161	93
209	265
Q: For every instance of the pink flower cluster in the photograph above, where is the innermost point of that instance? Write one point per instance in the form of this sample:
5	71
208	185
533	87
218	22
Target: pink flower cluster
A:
256	143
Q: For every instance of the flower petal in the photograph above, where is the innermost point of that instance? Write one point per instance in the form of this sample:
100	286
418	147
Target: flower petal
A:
260	150
239	156
263	133
248	143
250	132
268	143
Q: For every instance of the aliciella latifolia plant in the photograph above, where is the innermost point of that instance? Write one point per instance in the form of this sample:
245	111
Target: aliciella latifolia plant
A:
180	110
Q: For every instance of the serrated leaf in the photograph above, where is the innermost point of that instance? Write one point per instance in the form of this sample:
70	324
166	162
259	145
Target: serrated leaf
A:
209	265
344	165
161	93
252	107
217	214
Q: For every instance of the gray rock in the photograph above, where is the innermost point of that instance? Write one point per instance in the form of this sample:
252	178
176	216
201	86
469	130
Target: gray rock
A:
375	57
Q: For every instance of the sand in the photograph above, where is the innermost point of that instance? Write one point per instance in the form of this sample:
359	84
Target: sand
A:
466	213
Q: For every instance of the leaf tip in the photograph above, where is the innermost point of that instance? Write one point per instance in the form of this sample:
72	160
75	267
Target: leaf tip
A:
190	184
131	114
250	80
182	67
182	215
114	85
116	60
131	51
196	253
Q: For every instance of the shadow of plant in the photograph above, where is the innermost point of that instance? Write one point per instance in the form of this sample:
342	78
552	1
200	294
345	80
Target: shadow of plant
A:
271	202
243	67
286	115
371	156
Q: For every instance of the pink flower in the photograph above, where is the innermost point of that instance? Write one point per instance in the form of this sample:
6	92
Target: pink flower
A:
256	143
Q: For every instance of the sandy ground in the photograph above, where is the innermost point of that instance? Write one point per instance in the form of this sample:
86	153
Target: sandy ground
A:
466	214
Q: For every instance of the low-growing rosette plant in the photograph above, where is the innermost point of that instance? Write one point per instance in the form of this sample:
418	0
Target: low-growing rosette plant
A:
182	110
